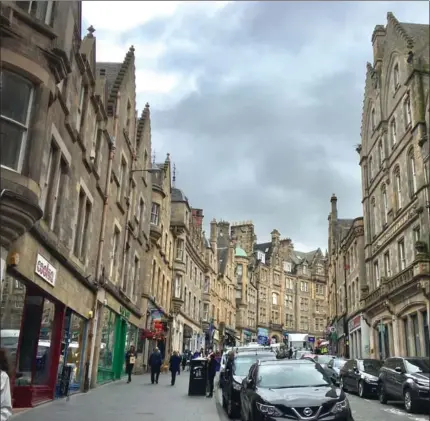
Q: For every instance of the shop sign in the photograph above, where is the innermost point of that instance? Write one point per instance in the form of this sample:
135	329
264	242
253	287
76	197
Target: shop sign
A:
354	323
156	315
45	270
124	312
262	335
311	338
285	334
247	333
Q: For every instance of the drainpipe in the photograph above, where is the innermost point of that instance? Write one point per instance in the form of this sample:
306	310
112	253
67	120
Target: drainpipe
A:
94	324
346	306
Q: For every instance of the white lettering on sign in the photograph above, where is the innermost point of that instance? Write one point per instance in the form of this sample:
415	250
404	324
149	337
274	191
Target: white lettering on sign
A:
45	270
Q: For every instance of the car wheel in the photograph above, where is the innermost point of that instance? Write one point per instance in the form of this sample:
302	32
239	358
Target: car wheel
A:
381	394
342	384
361	389
410	404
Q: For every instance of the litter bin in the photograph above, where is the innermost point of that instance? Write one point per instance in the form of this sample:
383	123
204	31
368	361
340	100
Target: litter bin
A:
198	377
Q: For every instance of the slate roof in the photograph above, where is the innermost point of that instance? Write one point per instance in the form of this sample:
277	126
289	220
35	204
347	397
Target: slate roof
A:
420	35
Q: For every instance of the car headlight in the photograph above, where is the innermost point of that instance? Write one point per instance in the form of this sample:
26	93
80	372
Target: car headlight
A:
422	383
269	410
237	386
340	407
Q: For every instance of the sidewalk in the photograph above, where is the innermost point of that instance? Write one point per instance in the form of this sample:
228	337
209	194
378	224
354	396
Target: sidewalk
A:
139	400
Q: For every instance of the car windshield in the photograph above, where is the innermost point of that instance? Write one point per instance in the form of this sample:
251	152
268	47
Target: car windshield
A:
242	365
284	376
372	365
417	365
324	359
338	363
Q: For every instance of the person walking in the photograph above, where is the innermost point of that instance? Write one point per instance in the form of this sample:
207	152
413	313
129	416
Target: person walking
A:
155	362
5	398
174	366
184	361
290	353
130	360
212	363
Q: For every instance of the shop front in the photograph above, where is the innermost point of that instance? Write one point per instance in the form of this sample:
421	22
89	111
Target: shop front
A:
119	331
342	339
359	337
38	309
247	336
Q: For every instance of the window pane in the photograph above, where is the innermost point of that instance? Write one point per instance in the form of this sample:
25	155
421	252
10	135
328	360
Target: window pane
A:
10	144
15	97
12	309
43	356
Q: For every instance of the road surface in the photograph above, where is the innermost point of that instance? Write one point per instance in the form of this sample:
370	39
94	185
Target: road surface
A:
138	401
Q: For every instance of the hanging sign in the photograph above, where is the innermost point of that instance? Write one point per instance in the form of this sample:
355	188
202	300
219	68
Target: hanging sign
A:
45	270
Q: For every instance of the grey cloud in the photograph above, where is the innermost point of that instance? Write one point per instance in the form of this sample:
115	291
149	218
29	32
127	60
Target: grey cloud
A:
256	140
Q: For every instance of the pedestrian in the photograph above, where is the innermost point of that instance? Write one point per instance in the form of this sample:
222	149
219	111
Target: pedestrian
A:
290	353
130	360
155	362
212	363
174	366
5	398
184	361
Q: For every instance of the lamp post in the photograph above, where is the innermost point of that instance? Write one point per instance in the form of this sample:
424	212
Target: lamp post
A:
150	170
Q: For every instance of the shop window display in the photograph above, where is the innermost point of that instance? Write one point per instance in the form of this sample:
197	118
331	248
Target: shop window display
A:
12	310
72	351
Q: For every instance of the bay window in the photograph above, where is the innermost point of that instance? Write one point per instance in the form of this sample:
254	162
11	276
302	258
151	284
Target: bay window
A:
17	100
155	213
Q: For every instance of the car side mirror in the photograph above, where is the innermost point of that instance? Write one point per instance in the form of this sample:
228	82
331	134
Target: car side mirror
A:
398	370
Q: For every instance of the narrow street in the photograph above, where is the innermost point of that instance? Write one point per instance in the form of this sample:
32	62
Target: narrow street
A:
120	401
365	410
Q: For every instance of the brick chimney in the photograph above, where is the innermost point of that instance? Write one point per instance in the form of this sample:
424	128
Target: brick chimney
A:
197	217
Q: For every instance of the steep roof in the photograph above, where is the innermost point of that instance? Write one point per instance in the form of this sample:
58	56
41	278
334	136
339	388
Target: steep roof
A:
178	195
115	73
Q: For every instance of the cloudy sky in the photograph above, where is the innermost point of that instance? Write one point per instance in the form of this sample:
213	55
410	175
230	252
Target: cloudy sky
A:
259	103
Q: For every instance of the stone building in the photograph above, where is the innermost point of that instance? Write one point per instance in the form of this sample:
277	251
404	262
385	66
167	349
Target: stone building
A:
394	155
53	192
157	290
189	273
291	293
223	289
347	328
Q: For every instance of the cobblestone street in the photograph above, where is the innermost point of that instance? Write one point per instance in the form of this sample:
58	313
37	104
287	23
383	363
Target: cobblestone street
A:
139	400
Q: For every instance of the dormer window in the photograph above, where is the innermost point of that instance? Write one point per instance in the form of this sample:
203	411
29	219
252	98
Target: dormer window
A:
305	269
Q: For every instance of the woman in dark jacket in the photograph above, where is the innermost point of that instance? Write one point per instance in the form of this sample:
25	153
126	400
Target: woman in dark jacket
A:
212	364
174	366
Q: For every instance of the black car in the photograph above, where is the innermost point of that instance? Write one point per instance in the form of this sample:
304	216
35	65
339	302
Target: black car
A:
407	379
360	376
291	390
233	381
333	368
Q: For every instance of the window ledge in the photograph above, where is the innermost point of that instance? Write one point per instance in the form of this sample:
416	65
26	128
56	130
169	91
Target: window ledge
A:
36	24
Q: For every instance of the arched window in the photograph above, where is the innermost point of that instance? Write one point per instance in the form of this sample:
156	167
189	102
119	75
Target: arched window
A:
373	116
396	76
381	154
408	112
373	217
393	130
384	204
398	188
412	176
370	168
275	298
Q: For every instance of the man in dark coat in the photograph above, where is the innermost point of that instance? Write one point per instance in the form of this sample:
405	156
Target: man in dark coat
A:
130	359
155	362
174	366
212	365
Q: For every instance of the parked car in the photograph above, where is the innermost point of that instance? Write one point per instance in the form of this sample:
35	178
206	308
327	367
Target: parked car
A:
291	390
233	381
324	359
360	376
333	368
406	379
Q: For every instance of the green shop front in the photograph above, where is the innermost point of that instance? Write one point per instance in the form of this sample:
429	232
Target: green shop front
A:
118	332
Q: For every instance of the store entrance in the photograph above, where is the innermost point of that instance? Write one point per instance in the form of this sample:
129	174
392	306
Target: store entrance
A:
36	322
